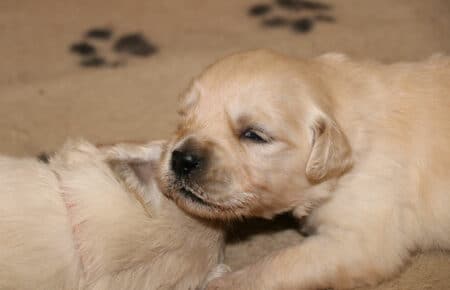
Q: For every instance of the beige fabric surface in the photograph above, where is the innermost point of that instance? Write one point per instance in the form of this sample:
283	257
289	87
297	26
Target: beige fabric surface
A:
46	97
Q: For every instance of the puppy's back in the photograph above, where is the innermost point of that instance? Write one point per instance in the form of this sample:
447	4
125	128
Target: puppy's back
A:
36	248
404	109
123	246
74	224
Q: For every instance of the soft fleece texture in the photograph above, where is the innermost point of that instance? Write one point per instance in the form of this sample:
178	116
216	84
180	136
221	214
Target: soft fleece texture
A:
46	97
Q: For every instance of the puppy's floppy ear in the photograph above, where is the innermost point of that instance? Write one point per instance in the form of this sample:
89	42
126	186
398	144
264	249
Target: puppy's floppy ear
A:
330	153
136	165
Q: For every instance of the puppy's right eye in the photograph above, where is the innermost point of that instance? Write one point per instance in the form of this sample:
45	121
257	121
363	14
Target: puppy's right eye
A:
254	136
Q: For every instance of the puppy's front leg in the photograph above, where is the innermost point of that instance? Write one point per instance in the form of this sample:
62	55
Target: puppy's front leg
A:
320	262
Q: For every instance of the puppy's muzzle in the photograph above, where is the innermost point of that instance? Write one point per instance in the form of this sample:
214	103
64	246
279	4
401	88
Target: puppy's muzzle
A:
189	171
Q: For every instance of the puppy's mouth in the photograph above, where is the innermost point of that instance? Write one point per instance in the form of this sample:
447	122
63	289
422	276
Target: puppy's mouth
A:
195	201
210	199
191	196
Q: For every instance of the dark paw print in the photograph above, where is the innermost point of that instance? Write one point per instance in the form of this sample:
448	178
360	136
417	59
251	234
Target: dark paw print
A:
44	157
97	50
270	14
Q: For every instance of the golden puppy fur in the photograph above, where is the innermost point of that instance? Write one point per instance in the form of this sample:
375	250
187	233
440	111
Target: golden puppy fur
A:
95	219
361	147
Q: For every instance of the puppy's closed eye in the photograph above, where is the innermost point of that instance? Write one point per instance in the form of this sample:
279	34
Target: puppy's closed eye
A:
255	136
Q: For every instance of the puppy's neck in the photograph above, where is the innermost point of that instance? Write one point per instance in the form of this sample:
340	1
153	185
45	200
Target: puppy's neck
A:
318	194
355	99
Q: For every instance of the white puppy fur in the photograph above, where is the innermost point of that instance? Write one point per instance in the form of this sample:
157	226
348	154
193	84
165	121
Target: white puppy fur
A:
94	218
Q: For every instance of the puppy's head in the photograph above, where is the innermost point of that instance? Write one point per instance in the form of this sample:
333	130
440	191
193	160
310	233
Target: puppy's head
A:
256	136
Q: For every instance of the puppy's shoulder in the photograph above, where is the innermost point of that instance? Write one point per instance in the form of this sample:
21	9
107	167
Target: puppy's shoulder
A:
75	151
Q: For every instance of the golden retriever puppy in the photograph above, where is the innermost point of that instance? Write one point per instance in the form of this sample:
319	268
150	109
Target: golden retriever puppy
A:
95	219
361	147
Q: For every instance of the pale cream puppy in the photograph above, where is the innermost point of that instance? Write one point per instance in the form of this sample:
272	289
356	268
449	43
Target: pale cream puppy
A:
361	147
95	219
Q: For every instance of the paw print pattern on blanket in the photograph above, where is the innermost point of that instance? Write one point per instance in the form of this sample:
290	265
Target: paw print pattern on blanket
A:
98	48
300	15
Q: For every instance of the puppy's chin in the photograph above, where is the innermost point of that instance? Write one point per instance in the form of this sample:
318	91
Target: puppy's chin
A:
202	205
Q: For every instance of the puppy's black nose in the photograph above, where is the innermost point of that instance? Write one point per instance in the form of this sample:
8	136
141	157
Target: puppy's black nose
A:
184	162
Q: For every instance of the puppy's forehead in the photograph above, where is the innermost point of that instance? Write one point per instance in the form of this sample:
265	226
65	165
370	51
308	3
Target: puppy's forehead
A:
246	67
257	84
247	79
239	102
